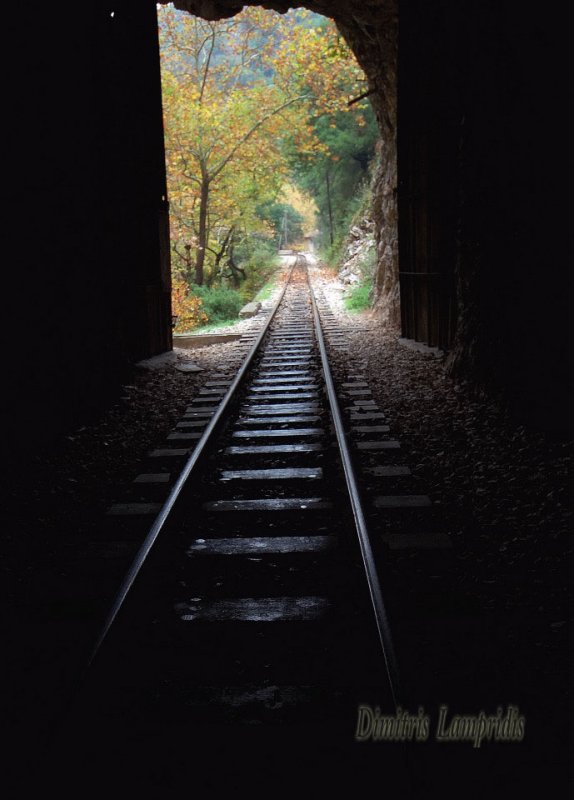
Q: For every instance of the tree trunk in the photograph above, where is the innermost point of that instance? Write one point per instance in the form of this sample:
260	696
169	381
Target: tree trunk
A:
328	181
219	256
234	269
202	232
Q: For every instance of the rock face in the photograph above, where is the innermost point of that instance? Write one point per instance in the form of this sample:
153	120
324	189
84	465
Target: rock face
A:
385	216
359	252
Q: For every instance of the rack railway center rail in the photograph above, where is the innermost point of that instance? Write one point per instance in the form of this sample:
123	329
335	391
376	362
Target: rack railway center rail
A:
252	622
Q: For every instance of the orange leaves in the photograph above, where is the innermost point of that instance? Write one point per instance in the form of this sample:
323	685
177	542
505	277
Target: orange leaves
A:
185	307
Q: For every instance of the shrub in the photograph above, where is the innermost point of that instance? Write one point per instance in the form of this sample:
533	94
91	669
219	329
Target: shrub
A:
369	263
187	308
359	297
259	267
219	303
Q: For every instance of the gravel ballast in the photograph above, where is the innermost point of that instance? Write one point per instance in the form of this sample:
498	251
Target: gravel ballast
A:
503	491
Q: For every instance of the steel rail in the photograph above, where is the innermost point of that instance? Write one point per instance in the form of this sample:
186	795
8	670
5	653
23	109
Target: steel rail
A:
383	626
190	464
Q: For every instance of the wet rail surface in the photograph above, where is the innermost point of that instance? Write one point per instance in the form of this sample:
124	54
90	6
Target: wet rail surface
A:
246	638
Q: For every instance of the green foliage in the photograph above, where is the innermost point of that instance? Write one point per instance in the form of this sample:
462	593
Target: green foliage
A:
339	180
219	302
369	264
260	264
359	298
358	206
285	220
252	247
266	290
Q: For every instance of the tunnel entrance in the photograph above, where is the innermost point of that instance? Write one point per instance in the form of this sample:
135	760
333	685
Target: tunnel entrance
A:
474	208
468	194
270	144
414	206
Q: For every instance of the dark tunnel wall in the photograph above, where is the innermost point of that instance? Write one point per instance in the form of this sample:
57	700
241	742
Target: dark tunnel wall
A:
86	291
511	75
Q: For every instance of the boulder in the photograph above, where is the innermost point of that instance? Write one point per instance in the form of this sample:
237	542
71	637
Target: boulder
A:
250	310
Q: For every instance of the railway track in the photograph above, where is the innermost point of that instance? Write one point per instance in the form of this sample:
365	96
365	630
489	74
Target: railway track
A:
251	624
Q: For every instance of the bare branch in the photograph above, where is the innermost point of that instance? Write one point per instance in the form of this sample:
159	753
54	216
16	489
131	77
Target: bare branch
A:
362	96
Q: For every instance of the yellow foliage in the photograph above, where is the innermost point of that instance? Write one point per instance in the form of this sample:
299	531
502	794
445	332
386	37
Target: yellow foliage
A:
226	127
302	203
186	307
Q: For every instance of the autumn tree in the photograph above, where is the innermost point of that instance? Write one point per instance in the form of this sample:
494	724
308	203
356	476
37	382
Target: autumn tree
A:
342	122
239	96
223	125
185	307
